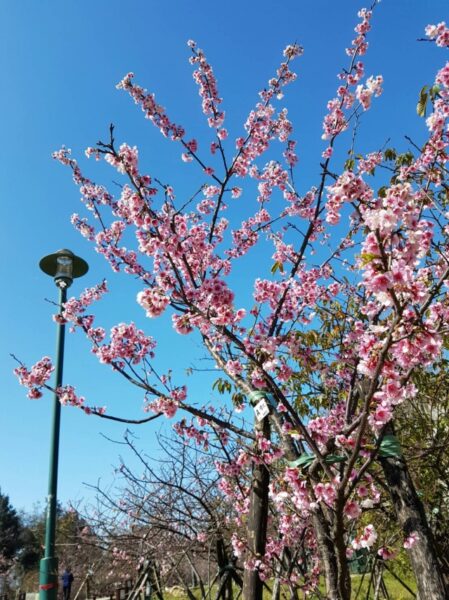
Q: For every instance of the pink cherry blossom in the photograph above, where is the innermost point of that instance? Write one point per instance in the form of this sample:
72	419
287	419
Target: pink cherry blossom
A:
386	553
439	33
366	539
36	377
411	540
154	301
352	510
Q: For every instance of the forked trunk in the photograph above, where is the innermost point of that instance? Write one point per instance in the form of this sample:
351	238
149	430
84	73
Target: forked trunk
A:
336	573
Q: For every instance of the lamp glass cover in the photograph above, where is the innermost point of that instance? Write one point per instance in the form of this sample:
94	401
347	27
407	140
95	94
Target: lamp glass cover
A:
64	267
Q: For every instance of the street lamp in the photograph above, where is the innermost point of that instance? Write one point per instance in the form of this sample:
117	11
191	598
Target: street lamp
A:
64	267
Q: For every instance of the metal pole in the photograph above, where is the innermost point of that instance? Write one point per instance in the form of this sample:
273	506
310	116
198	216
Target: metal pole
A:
48	571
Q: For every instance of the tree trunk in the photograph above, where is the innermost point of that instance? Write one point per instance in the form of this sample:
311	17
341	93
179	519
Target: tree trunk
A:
322	527
257	522
343	577
412	518
328	554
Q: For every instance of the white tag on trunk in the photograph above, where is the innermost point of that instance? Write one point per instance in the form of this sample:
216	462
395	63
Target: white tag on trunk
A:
261	410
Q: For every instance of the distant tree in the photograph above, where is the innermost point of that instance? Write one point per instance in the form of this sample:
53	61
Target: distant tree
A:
30	549
173	517
10	530
75	546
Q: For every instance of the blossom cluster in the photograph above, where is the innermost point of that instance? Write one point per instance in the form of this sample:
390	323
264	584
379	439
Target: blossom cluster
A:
36	377
336	121
348	188
128	343
439	33
208	90
153	111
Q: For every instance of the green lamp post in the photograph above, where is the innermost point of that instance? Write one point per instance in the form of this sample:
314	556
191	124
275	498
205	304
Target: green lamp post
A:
64	267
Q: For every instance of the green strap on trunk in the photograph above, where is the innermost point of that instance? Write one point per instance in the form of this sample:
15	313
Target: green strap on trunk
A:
389	448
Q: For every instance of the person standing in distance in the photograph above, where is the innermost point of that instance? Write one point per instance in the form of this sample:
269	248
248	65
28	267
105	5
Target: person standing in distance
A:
67	580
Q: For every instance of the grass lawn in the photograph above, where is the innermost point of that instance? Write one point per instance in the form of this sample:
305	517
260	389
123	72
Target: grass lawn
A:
360	586
395	590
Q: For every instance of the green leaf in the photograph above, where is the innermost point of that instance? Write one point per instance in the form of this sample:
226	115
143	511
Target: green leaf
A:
277	266
222	386
422	102
405	159
390	154
349	164
238	398
367	257
434	91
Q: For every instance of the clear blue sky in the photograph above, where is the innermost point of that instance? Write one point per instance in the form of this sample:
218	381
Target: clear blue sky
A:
59	63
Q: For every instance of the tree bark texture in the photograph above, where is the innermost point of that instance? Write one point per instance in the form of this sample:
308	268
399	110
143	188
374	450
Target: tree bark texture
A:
257	521
343	577
412	519
328	555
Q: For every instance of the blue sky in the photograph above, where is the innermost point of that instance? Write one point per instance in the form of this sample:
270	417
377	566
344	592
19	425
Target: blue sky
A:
60	62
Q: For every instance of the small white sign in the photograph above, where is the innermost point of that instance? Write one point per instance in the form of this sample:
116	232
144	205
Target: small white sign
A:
261	410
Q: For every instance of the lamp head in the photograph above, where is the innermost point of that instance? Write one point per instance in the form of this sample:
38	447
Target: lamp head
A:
64	267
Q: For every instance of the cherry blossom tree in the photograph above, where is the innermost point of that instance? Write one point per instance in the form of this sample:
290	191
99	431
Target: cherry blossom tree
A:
172	512
351	303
